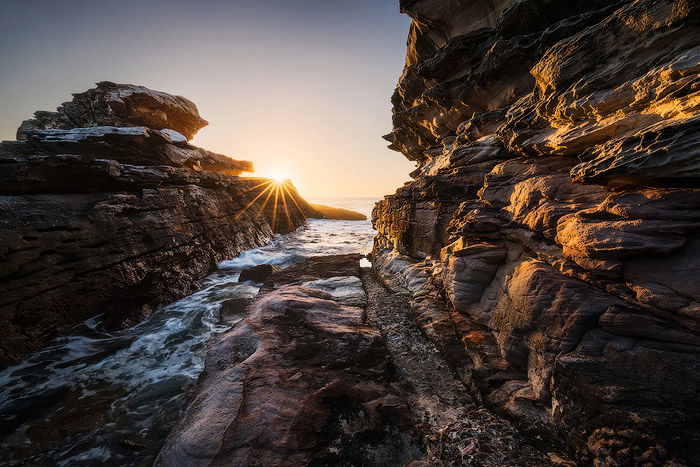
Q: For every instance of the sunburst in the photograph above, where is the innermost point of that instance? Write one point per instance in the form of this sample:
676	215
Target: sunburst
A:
278	191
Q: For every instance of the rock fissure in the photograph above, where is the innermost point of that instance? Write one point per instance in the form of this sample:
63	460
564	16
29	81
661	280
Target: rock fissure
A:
457	431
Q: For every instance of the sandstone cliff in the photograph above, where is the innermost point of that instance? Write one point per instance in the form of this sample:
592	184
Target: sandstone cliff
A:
550	239
105	208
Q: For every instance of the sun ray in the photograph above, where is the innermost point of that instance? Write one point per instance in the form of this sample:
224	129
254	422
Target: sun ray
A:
267	198
286	209
266	182
247	206
277	187
274	206
301	211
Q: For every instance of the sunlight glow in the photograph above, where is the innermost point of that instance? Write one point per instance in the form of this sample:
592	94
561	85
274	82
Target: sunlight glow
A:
276	190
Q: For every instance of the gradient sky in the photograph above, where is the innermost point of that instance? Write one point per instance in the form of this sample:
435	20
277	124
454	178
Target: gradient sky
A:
300	87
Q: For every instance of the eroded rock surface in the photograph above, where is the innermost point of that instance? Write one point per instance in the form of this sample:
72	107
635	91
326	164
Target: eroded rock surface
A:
119	219
120	105
327	368
302	380
457	431
550	239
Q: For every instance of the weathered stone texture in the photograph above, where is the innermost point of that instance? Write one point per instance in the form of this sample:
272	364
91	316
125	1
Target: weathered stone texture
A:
550	239
304	379
120	105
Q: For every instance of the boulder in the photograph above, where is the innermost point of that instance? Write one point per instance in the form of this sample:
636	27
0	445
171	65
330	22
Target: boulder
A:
121	105
257	274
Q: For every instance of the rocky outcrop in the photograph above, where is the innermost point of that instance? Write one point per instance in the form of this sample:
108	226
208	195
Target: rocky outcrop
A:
319	211
120	105
116	220
550	239
328	369
302	380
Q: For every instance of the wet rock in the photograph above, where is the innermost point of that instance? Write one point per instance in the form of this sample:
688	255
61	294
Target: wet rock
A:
233	310
346	290
258	274
303	379
314	269
106	201
548	238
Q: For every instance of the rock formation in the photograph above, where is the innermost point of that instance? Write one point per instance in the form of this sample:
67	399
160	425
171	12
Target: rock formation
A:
320	211
303	379
105	208
328	369
550	239
119	105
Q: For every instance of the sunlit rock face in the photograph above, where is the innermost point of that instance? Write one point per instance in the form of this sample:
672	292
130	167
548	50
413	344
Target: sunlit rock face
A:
550	239
107	209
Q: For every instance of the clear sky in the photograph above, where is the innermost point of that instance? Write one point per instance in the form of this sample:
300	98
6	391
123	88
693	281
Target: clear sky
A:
300	87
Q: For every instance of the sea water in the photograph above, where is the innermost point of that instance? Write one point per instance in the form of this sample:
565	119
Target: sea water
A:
93	397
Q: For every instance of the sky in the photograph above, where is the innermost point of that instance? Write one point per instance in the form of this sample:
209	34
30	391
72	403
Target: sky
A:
300	87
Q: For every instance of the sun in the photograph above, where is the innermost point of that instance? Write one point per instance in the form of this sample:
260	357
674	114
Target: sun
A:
279	179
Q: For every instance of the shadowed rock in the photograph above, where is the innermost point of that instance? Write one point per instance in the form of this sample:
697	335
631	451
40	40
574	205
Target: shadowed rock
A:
258	273
121	105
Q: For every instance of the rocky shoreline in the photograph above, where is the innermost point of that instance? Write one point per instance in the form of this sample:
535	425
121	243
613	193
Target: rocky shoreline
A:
533	297
105	208
327	368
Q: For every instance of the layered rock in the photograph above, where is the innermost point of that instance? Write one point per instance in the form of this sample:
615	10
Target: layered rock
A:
115	220
550	239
